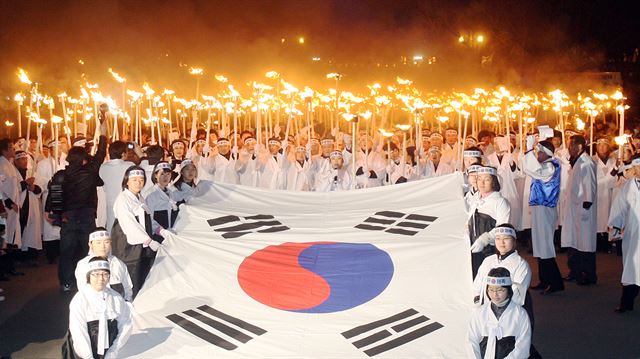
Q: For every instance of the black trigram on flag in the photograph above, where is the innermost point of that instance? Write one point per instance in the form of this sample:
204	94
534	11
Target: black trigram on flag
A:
388	333
215	327
396	222
234	226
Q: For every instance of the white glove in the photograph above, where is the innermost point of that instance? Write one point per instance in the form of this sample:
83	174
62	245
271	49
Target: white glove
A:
166	233
154	245
482	241
531	140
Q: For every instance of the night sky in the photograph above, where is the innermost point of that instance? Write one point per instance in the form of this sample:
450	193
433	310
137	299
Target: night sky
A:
149	40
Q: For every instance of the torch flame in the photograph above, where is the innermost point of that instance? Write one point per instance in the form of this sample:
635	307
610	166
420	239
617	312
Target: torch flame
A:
272	75
196	71
117	77
147	89
22	75
18	98
221	78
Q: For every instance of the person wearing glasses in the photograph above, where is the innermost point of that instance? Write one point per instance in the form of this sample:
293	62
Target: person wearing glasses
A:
500	328
100	320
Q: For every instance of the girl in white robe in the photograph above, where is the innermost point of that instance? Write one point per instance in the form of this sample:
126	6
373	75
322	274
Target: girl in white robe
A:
488	210
499	329
161	199
100	320
187	185
135	235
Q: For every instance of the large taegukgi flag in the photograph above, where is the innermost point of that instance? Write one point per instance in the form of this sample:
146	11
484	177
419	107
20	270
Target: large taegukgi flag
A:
380	272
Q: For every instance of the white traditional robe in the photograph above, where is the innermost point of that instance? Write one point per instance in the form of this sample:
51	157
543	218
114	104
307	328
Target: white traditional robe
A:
520	276
606	183
32	234
44	173
508	185
331	180
162	204
10	189
514	322
272	174
297	176
218	169
88	305
543	219
579	225
625	215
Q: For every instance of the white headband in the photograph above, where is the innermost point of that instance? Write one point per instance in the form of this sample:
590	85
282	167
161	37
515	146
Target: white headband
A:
434	149
471	140
602	141
21	155
335	154
80	143
186	163
315	141
99	235
544	149
98	265
163	166
504	231
274	142
136	173
223	142
301	149
473	168
636	162
471	153
201	141
436	134
487	169
500	281
249	139
451	132
327	142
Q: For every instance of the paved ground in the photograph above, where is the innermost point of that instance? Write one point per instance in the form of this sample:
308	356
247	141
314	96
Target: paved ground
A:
576	323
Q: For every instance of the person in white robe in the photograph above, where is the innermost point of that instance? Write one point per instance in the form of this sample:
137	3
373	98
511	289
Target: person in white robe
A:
297	171
30	210
579	226
450	147
100	246
272	174
606	176
247	166
10	192
100	320
187	184
544	170
334	178
504	160
500	328
488	210
135	236
45	169
434	165
624	221
220	165
161	198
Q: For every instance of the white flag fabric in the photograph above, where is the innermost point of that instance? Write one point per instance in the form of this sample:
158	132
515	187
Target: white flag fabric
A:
380	272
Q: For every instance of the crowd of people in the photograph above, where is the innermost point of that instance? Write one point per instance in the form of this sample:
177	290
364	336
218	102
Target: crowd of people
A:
103	209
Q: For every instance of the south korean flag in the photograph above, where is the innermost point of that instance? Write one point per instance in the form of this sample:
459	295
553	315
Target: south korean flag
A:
324	287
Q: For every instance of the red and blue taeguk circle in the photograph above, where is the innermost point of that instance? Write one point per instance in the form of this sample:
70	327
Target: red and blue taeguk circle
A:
316	277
